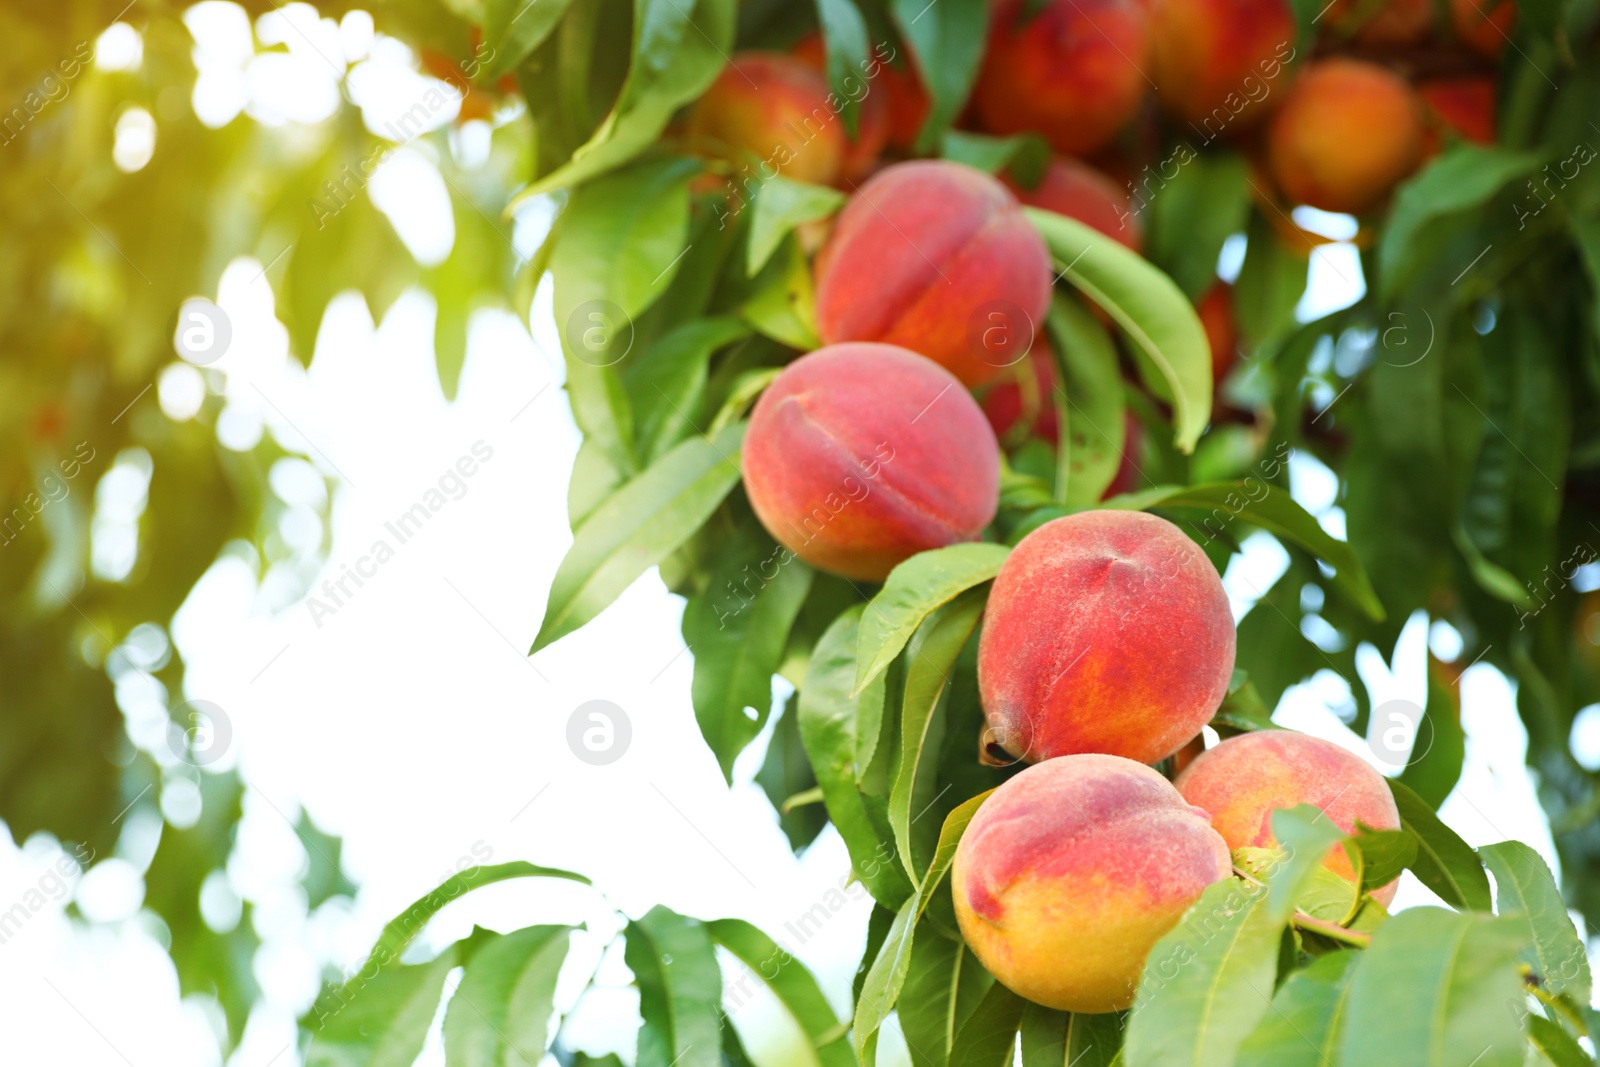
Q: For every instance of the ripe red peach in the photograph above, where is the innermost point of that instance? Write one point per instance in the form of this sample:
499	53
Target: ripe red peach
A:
1128	477
1071	872
1215	308
1345	135
1071	72
1463	106
770	111
1106	631
1243	780
1077	190
938	258
859	456
1395	23
1484	25
908	103
1220	64
872	115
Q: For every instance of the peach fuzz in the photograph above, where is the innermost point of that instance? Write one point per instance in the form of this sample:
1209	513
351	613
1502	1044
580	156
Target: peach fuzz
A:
1106	631
771	111
1071	72
859	456
1484	25
1071	872
938	258
872	115
1243	780
1220	64
1344	136
1072	188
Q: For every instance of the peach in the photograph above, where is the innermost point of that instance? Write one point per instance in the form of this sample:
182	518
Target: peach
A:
1218	63
1394	23
1215	308
770	111
1128	476
872	116
1018	409
859	456
1106	631
1346	134
1464	106
1071	72
938	258
1243	780
1075	189
1484	25
1071	872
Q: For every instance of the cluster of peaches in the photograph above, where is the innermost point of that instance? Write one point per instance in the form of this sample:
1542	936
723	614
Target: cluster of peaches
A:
1107	642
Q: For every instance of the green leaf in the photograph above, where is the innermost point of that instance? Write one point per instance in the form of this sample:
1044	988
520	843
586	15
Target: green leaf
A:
680	990
1271	281
614	256
1243	709
1149	307
678	51
887	976
782	204
477	274
931	657
1379	856
1524	888
1024	155
1555	1045
947	40
1274	511
1303	1029
1445	863
1440	747
1069	1039
989	1038
1089	406
638	527
783	304
1306	835
379	1021
828	729
1433	989
500	1013
1204	203
944	985
666	384
844	33
738	629
403	928
1459	179
1206	983
793	985
912	592
512	29
787	774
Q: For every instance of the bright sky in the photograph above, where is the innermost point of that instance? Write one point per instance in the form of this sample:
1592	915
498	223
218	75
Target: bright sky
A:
409	722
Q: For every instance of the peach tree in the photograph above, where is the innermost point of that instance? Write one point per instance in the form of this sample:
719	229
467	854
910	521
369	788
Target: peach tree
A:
855	323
